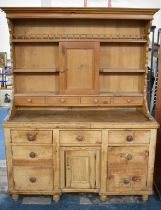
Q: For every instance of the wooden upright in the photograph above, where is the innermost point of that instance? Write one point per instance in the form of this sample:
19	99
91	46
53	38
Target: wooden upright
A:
79	120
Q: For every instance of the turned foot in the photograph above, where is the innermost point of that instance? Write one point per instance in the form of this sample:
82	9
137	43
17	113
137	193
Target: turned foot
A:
56	198
144	197
15	197
103	198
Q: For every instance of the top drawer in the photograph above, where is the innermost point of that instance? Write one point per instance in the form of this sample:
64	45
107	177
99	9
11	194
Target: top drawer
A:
31	136
129	136
29	100
80	137
128	101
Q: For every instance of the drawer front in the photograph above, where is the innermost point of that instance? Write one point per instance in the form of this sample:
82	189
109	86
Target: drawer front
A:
36	153
96	101
80	137
127	180
127	168
32	178
129	136
128	100
63	101
31	136
29	101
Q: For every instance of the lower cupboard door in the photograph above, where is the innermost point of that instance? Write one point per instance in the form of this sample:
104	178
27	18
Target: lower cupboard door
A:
32	178
80	169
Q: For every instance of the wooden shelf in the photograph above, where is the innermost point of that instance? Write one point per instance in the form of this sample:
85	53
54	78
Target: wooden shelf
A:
114	70
78	40
43	70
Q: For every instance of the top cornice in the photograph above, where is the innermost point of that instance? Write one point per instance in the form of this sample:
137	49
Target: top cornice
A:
81	13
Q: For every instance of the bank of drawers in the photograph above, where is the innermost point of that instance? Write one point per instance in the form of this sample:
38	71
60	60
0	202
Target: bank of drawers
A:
77	101
127	156
32	153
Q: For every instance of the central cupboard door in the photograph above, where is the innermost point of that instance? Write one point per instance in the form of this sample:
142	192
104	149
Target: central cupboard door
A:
80	169
79	67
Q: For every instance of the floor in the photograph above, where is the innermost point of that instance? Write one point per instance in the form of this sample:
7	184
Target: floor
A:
69	201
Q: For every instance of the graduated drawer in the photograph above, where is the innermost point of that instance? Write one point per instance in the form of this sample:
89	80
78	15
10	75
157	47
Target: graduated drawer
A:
62	101
128	136
33	178
29	101
95	101
38	153
31	136
128	100
77	137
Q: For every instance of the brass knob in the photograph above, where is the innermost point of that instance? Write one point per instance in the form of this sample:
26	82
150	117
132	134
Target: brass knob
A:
126	181
62	100
95	100
32	179
32	154
79	138
129	138
31	137
29	100
129	157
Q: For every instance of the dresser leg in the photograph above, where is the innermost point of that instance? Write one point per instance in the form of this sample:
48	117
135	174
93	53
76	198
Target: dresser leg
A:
56	198
103	198
15	197
145	198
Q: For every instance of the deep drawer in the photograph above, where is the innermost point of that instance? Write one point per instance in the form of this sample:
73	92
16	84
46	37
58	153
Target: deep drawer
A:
32	178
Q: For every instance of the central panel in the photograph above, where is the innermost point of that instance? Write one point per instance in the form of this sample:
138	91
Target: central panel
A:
79	67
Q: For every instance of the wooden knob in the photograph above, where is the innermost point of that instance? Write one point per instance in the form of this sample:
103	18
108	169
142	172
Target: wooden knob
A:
31	137
32	179
62	100
95	100
126	181
29	100
32	155
129	138
128	100
129	157
79	138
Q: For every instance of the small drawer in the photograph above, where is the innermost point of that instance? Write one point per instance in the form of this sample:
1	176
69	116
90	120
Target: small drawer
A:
63	101
96	101
32	178
36	153
80	137
129	136
31	136
29	101
128	100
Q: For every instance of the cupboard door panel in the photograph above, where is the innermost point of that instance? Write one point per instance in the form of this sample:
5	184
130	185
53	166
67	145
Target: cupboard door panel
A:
79	68
81	168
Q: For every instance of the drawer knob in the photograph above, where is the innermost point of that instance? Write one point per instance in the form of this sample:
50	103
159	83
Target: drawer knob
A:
31	137
129	138
126	181
79	138
129	157
62	100
29	100
33	179
128	100
95	100
32	154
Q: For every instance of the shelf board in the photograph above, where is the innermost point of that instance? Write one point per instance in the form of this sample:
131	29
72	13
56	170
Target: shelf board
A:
44	70
80	40
119	70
